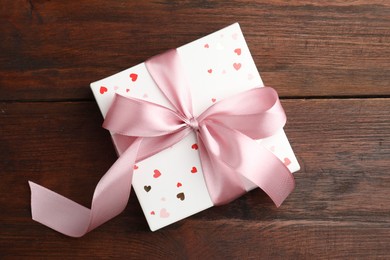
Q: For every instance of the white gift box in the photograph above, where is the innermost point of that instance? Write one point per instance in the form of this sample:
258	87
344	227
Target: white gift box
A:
170	184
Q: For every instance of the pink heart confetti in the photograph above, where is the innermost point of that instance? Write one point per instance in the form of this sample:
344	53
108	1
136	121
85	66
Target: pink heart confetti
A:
287	161
237	66
164	213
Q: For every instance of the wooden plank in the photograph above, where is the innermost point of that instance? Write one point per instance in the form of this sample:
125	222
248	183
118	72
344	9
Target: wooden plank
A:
340	208
52	50
217	239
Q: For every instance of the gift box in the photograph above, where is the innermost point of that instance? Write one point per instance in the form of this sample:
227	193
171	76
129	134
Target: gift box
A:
170	184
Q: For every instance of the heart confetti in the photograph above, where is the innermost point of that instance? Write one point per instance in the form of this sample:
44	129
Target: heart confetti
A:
237	66
147	188
287	161
133	77
194	170
238	51
195	146
164	213
206	46
181	196
135	166
156	174
103	90
213	100
210	71
179	184
152	212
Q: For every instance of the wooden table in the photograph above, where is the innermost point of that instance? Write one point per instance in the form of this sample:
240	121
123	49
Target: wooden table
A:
329	61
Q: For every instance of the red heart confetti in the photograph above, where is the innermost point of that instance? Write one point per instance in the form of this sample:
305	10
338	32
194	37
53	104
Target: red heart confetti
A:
133	77
206	46
194	170
164	213
135	166
238	51
152	213
103	90
210	71
156	174
179	184
127	90
181	196
213	100
195	146
237	66
287	161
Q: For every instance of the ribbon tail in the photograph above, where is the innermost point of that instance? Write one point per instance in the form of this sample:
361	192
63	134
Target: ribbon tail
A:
250	159
273	177
110	199
223	183
57	212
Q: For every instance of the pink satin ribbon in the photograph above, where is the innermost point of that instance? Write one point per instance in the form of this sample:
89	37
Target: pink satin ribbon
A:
225	133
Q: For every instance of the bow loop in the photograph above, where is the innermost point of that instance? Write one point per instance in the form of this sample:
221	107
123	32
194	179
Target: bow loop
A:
256	113
134	117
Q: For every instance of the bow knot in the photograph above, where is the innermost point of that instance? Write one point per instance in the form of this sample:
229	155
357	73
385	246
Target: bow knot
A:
192	123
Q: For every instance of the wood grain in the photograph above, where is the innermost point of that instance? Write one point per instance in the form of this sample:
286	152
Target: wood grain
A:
302	47
329	61
340	207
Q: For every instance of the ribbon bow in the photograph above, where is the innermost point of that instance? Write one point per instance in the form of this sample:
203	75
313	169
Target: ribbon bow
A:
227	149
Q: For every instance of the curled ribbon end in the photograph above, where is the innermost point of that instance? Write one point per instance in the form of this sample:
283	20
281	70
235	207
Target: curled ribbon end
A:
289	187
58	212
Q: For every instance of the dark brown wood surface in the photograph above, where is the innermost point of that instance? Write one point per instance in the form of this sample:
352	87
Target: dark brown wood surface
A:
329	60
